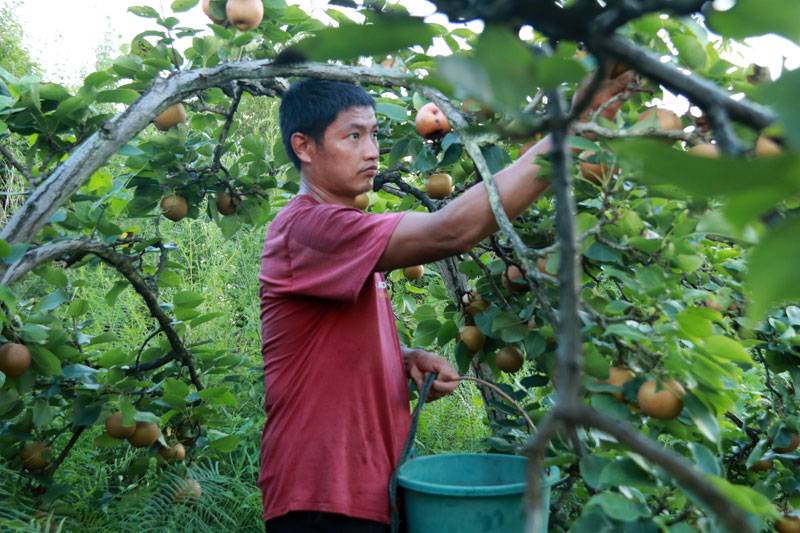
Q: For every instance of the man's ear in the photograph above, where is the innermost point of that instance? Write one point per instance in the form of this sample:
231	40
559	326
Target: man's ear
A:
302	145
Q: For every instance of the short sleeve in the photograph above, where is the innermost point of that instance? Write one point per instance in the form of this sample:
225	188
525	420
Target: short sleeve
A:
332	250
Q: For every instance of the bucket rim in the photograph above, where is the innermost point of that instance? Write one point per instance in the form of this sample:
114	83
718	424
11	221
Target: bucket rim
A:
548	479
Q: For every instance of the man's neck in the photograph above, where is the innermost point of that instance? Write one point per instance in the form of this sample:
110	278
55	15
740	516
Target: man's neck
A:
321	195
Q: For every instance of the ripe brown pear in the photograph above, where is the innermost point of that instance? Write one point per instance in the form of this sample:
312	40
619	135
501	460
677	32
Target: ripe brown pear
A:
472	338
145	434
174	207
36	456
618	377
171	116
788	524
475	304
541	266
414	272
792	446
227	203
439	186
431	123
207	11
666	118
362	201
766	147
468	105
15	359
705	150
169	453
596	172
763	465
513	280
115	428
509	359
665	404
245	14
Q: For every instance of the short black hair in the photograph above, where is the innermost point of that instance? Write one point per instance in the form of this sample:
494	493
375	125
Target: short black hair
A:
311	105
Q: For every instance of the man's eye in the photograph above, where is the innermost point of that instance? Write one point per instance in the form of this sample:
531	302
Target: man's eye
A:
375	134
354	135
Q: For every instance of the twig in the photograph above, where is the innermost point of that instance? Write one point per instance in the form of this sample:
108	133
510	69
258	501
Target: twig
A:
14	163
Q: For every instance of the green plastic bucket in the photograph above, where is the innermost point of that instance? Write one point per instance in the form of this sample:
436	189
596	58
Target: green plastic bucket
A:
468	493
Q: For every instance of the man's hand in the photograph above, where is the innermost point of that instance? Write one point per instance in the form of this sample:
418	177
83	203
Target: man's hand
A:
608	89
419	363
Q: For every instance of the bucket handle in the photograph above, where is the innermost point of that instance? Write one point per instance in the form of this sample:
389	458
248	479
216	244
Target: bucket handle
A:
423	395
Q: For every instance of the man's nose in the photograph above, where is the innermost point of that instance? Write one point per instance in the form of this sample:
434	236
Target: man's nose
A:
372	150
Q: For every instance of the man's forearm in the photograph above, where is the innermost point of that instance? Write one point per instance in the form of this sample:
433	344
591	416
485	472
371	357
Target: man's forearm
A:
518	186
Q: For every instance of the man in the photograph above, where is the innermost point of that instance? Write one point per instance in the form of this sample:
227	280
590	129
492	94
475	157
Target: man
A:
334	371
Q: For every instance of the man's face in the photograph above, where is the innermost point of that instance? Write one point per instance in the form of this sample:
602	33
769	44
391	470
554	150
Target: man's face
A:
346	162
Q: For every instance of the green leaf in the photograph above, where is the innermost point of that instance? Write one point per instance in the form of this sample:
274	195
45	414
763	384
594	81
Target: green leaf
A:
591	467
53	91
758	17
509	327
144	11
53	276
127	66
77	307
52	300
187	299
395	112
618	507
426	332
42	413
463	358
5	248
693	322
624	472
175	392
225	444
34	332
772	269
103	338
748	499
112	357
594	363
44	361
183	5
111	296
690	51
120	96
648	246
388	34
626	331
727	348
202	319
168	278
704	420
447	332
255	144
705	459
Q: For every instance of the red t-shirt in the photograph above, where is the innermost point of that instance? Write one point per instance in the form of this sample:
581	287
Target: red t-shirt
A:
336	388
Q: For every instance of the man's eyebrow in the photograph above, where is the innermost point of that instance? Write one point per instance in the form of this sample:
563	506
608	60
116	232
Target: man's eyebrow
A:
361	125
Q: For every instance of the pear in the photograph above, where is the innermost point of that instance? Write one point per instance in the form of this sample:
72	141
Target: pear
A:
245	14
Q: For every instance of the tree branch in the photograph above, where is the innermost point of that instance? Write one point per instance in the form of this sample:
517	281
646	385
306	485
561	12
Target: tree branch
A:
728	513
